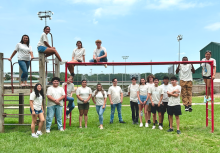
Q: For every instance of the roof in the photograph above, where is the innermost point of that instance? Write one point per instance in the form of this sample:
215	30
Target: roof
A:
216	43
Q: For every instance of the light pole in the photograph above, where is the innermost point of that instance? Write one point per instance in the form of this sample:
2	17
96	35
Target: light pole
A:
91	71
125	57
179	37
45	14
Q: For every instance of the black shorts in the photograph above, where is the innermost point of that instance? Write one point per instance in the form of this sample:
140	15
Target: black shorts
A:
165	105
207	77
176	110
156	108
79	61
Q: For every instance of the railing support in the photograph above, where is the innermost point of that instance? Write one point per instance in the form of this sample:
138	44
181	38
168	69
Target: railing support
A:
1	93
21	108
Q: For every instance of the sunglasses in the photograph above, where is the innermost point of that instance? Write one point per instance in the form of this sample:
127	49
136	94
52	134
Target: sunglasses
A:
208	51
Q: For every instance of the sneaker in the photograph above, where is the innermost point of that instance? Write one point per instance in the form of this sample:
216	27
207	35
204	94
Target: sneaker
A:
101	128
160	127
186	108
141	125
205	100
111	122
39	133
105	65
121	121
46	60
136	123
178	132
80	127
141	113
34	136
67	109
47	131
156	122
170	130
68	116
63	62
190	109
149	122
85	126
61	129
146	125
154	127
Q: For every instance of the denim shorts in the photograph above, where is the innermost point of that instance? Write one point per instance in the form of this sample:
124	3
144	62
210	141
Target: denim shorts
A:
41	49
143	98
36	111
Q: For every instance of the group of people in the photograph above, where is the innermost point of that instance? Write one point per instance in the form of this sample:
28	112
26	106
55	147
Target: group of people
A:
25	53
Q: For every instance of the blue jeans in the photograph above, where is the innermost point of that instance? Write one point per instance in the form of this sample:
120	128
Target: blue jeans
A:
100	112
71	104
50	114
24	65
102	59
113	112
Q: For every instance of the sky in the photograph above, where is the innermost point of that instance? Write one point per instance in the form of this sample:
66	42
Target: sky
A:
144	30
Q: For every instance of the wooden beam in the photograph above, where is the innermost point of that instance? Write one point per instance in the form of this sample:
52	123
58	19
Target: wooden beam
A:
57	68
42	80
1	93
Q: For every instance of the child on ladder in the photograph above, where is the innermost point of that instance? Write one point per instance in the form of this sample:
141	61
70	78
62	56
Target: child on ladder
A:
36	109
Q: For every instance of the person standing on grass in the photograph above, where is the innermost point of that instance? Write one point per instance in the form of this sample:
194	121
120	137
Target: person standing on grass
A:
100	53
44	47
77	56
83	94
186	79
150	83
206	73
55	95
24	51
70	90
132	92
174	107
165	97
99	97
115	95
36	109
155	94
143	101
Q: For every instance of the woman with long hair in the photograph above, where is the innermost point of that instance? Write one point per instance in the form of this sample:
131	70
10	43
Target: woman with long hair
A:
36	109
78	55
24	51
99	97
44	47
143	101
206	73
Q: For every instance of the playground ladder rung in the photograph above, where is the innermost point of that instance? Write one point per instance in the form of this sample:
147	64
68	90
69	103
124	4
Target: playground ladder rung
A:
209	119
19	124
209	109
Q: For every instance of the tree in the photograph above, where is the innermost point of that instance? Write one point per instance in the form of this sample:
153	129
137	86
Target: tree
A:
7	77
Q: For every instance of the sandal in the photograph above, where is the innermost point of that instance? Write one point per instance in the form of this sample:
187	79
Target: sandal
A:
26	84
23	85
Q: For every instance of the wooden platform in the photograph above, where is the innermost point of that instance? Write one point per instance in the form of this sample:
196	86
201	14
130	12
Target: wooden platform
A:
18	89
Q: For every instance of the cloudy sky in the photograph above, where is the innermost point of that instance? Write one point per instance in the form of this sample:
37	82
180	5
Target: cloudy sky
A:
144	30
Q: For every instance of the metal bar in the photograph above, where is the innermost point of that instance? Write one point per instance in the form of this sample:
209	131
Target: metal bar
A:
212	97
209	119
30	78
16	114
64	124
21	108
12	116
11	100
15	104
10	108
207	114
15	95
12	89
17	124
209	109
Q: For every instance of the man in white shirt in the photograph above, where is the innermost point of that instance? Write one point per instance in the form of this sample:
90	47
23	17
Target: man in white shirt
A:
115	95
156	95
174	104
55	95
132	92
70	90
100	53
185	76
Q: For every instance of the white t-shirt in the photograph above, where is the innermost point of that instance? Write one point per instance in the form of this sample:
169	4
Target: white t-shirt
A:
207	66
165	96
99	98
55	93
79	53
70	88
83	93
185	72
115	92
23	51
156	93
43	38
143	90
37	101
173	101
97	51
149	85
133	92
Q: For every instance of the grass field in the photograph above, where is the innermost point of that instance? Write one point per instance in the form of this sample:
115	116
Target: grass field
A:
116	137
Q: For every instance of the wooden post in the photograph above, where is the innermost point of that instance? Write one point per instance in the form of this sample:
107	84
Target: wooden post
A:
1	92
21	108
42	80
20	72
57	68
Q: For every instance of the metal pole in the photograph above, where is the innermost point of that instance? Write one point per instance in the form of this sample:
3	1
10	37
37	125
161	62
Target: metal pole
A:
1	93
64	124
21	108
125	70
207	114
179	50
151	67
212	99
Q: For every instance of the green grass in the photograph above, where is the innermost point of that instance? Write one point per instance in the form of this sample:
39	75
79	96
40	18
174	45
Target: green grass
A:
116	137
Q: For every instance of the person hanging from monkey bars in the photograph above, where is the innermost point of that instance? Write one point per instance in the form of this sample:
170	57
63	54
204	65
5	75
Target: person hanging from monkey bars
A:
186	79
100	53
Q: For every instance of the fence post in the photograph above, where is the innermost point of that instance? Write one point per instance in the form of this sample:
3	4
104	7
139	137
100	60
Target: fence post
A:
20	72
57	68
1	93
21	108
42	80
